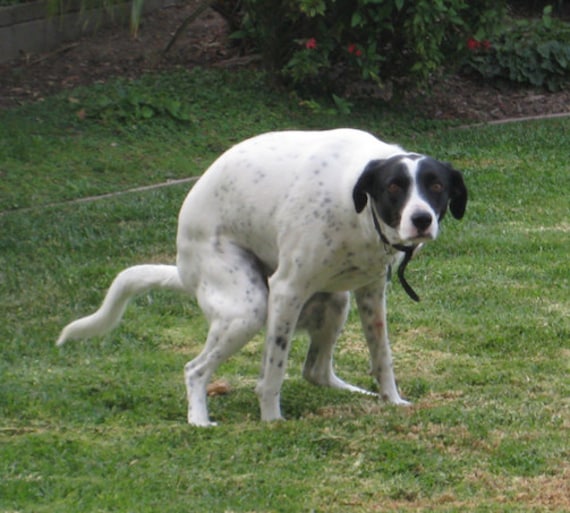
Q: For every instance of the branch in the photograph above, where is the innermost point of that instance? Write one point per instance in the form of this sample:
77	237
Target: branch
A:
199	10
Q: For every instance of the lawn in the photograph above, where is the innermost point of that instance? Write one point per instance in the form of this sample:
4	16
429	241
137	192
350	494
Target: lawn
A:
99	426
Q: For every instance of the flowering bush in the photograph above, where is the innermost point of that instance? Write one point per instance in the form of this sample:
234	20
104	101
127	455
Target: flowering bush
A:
535	52
325	45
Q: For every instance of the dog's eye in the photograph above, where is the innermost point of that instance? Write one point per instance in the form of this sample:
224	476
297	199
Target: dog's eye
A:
436	187
394	188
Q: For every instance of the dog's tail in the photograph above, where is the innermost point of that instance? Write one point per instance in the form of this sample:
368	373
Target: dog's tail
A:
129	283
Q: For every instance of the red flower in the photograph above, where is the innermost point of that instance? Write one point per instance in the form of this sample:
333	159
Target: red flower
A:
473	44
311	44
352	48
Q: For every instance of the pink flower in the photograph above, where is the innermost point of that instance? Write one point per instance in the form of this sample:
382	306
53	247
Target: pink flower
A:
311	44
352	48
486	44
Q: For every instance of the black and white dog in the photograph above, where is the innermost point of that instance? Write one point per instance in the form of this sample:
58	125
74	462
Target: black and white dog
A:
275	234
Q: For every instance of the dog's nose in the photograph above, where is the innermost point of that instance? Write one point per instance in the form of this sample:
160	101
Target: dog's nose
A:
422	220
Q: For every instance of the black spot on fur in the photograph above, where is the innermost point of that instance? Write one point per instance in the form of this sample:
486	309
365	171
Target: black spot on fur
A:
281	342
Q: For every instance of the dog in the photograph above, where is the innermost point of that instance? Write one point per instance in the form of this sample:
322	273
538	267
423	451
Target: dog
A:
276	234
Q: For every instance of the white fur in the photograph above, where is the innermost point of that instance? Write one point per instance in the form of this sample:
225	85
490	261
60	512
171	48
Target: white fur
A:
407	231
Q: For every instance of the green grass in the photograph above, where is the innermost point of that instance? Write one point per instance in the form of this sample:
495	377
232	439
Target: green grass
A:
100	425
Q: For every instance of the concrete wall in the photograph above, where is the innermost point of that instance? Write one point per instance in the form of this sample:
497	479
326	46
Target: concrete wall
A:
27	28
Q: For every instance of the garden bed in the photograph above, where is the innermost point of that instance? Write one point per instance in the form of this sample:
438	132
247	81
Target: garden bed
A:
112	52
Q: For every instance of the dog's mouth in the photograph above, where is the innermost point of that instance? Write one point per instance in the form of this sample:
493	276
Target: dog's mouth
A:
417	239
420	239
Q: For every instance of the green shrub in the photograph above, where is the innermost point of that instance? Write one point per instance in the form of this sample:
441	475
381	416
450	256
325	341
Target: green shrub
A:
530	52
325	45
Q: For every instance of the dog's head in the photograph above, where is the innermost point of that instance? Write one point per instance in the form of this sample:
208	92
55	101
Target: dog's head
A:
410	194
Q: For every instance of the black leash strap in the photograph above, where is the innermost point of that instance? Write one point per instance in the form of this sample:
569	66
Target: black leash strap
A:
401	268
408	253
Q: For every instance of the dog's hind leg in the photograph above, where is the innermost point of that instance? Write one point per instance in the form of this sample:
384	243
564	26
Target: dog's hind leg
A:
324	317
225	337
233	298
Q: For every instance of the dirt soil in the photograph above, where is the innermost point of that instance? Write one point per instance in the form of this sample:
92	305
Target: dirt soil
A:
113	52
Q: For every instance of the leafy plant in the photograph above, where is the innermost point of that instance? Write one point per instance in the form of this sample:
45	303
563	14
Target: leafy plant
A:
530	52
130	103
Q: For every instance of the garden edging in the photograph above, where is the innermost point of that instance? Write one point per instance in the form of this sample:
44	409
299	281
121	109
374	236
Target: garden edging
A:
28	29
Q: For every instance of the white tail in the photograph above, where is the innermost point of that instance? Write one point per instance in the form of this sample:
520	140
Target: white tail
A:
129	283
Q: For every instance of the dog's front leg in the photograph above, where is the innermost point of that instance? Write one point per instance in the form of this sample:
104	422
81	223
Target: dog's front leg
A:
284	308
371	301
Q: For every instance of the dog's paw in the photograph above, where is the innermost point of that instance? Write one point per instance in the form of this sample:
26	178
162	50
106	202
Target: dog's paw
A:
272	416
395	400
202	424
273	420
200	420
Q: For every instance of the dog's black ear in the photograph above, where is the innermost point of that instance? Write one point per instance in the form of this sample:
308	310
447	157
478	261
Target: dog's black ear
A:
458	194
365	184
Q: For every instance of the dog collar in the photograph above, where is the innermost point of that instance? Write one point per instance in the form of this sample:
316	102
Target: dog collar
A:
408	253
